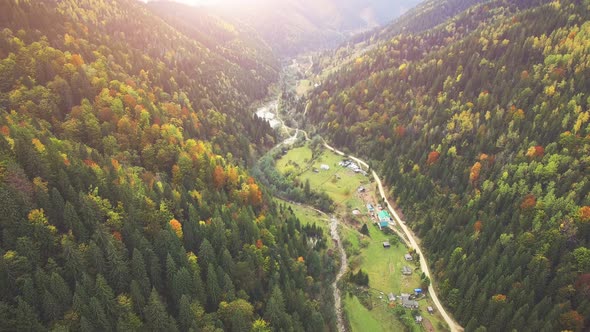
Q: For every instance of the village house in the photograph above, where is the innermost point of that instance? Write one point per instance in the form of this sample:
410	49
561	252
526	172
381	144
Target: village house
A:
386	244
384	218
408	257
407	302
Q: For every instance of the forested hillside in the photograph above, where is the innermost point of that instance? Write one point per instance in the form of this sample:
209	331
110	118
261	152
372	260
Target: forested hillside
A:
480	126
125	201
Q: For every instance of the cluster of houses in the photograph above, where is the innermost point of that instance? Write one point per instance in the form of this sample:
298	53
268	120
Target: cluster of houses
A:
353	167
408	301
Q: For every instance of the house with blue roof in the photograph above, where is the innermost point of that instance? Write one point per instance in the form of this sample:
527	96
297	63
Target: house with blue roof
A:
384	218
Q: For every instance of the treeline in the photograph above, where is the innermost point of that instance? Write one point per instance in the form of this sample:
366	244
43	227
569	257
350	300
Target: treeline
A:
360	278
125	204
483	134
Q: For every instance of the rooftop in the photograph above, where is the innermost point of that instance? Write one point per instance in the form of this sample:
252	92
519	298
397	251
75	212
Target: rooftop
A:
409	303
384	215
406	270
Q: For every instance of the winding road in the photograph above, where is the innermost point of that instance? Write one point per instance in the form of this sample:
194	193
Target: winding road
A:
453	325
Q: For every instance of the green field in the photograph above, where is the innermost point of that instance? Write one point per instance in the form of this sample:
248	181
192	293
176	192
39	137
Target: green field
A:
295	161
384	266
351	239
303	86
338	182
362	319
359	317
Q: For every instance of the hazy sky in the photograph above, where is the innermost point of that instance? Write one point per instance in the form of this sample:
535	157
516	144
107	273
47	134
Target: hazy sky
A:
194	2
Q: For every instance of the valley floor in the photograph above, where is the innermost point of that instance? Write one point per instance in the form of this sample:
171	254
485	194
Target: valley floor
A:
363	306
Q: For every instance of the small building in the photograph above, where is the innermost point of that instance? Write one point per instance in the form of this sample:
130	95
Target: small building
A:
324	167
409	303
383	224
430	309
417	291
386	244
315	170
384	216
370	208
406	270
408	257
419	319
391	297
361	189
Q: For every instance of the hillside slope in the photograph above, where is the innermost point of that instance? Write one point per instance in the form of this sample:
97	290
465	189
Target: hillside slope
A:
125	201
296	26
480	126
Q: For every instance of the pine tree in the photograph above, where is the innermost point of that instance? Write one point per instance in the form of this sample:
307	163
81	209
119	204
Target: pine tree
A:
137	297
26	318
236	315
98	318
365	229
182	284
206	255
186	316
106	296
156	318
275	309
138	272
213	289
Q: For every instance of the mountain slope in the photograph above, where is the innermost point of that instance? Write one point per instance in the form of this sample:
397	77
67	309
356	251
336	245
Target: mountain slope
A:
480	126
236	43
125	203
295	26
